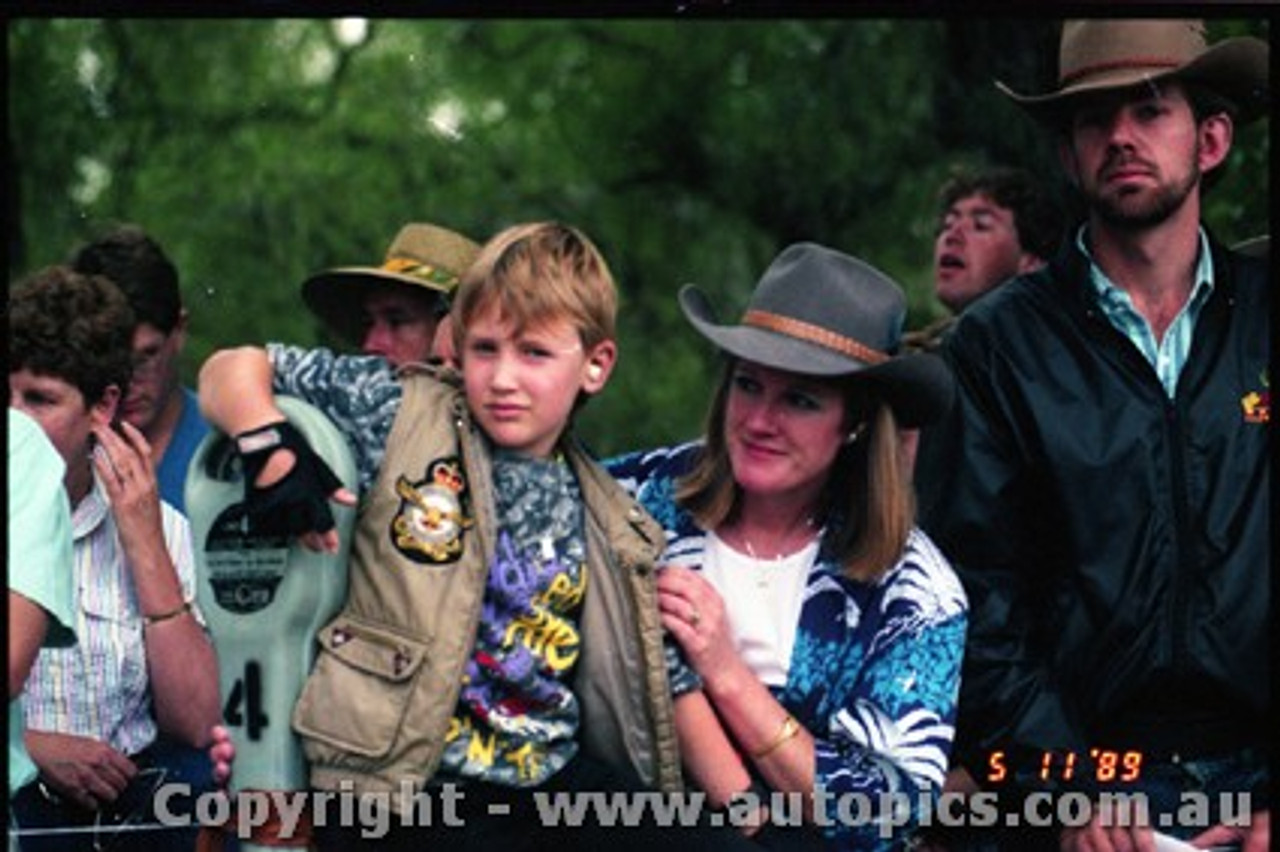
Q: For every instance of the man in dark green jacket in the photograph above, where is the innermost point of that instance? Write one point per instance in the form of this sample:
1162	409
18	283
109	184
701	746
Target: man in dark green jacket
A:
1102	483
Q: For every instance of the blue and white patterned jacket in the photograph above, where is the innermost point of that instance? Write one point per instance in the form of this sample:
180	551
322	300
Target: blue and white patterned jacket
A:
875	671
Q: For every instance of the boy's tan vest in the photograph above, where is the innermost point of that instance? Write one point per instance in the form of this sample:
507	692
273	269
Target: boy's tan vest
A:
375	710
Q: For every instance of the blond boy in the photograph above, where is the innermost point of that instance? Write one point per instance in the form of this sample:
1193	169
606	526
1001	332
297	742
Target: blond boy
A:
501	634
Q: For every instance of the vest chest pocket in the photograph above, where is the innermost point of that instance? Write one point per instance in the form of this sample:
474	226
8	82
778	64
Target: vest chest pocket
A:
357	694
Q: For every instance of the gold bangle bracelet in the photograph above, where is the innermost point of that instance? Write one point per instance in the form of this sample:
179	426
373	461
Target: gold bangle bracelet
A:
788	729
148	620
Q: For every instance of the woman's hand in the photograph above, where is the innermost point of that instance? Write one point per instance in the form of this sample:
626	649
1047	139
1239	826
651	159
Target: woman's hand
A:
693	611
125	468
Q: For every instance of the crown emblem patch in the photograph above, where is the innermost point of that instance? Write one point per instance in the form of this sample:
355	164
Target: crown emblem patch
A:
433	515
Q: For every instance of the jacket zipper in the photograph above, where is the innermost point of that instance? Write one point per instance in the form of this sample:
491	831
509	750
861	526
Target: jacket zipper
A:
645	576
474	465
1180	615
1178	612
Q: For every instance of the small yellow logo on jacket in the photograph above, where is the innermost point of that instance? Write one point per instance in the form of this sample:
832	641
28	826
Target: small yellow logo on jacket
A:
1256	404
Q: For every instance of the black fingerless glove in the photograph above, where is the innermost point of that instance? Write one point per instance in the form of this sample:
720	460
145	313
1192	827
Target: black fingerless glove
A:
299	501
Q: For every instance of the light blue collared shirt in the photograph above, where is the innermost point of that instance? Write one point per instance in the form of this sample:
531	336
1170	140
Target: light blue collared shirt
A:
1167	356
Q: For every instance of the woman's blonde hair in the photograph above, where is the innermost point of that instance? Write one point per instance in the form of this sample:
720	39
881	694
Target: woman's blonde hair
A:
868	504
537	273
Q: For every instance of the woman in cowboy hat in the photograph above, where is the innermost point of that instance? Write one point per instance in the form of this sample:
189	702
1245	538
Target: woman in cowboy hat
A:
820	633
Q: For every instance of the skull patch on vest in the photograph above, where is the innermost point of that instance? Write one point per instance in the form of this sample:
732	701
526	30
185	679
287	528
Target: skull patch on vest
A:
429	526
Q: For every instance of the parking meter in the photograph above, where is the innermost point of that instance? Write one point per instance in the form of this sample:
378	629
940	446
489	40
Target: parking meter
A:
264	599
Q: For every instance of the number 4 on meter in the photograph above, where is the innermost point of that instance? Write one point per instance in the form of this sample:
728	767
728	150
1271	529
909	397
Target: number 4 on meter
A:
247	691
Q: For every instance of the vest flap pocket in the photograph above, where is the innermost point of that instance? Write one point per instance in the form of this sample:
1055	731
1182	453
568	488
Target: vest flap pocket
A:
357	694
372	649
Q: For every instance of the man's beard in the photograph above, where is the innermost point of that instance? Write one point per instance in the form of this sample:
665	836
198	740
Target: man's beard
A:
1140	211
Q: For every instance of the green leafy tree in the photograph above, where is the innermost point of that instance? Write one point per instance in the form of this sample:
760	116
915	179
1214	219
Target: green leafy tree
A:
260	151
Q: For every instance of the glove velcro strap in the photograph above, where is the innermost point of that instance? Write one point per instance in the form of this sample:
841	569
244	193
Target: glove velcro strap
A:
299	501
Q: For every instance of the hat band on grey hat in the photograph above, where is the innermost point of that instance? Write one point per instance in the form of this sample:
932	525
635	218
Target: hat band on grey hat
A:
819	312
814	334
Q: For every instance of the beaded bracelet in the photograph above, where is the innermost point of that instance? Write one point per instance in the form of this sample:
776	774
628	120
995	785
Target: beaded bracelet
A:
148	620
788	729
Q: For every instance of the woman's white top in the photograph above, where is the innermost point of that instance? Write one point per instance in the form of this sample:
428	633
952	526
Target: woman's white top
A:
762	599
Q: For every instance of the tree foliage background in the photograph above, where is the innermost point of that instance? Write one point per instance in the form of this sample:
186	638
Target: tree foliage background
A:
260	151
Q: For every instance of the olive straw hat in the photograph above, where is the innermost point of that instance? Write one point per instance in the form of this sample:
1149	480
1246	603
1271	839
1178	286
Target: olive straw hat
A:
1106	54
819	312
422	256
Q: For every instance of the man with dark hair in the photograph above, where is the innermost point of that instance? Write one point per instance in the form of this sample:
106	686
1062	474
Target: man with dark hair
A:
1103	481
167	413
992	225
399	310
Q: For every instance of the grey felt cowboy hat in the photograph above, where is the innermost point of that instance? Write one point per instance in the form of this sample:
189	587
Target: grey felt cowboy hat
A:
818	312
1105	54
421	255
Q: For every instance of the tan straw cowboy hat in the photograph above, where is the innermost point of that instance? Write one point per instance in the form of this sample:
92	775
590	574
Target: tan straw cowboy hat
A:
1104	54
421	255
819	312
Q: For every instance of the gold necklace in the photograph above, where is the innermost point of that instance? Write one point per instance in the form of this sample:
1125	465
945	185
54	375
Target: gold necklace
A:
765	569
